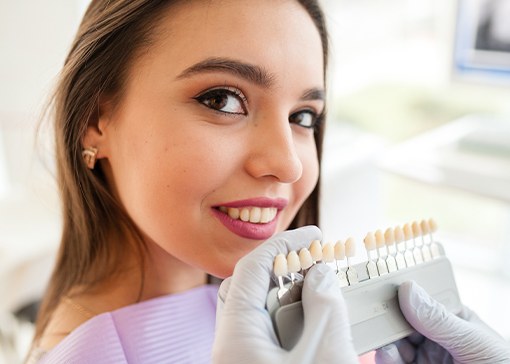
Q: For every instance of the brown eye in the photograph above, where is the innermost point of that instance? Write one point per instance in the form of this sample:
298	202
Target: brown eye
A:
305	118
223	100
217	102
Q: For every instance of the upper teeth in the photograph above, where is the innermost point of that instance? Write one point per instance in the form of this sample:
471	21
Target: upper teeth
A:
251	214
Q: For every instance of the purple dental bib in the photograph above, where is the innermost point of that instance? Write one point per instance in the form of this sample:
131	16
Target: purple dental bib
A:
177	328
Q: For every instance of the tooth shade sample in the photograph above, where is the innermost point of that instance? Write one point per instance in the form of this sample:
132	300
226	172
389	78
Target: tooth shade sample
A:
305	258
399	235
424	227
416	229
280	265
350	247
293	263
432	225
369	241
328	253
379	239
339	250
389	236
408	233
316	250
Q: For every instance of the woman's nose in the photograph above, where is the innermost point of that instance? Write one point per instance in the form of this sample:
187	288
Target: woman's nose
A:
273	152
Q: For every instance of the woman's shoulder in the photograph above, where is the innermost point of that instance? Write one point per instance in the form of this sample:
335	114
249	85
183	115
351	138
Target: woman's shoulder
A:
177	324
66	318
35	355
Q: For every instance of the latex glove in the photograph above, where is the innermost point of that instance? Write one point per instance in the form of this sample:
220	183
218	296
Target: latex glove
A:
442	336
245	332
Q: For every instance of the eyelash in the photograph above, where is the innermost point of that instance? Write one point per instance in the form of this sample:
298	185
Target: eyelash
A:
235	92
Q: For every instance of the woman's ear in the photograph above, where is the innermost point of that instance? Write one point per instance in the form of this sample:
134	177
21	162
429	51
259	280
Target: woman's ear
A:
96	134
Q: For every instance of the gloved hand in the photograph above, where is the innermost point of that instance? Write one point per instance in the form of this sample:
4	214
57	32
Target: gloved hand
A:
245	332
442	336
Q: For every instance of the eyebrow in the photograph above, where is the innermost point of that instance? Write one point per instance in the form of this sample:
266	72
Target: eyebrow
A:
313	94
250	72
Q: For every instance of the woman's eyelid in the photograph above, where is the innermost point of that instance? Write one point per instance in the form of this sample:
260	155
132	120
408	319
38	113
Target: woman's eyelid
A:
233	90
316	112
316	107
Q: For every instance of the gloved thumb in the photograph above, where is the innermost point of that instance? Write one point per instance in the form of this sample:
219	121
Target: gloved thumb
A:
431	319
322	297
388	354
222	297
223	290
326	331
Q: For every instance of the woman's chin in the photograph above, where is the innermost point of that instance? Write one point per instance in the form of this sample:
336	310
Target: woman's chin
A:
222	271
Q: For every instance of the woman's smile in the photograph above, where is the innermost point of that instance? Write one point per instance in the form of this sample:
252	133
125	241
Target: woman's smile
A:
254	218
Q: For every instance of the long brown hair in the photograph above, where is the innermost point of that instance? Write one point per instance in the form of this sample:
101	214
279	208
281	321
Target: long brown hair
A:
110	37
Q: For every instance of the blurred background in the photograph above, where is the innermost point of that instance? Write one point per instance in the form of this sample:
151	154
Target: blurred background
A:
419	127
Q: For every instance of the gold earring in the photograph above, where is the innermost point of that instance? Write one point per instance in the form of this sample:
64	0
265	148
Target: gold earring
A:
89	156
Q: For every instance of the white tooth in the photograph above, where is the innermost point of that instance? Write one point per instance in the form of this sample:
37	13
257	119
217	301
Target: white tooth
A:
416	229
350	248
316	250
265	216
424	227
255	215
408	231
379	239
399	234
305	258
328	253
432	225
245	215
339	250
389	236
280	267
369	241
233	213
293	262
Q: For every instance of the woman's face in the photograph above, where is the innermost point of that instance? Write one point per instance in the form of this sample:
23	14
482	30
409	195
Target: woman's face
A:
210	149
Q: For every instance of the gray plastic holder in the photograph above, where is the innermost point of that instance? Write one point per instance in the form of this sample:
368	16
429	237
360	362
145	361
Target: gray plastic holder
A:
372	304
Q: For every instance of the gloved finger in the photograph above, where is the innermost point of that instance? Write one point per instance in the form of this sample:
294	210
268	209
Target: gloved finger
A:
239	325
431	319
326	323
252	274
223	290
415	338
222	296
388	354
407	350
472	317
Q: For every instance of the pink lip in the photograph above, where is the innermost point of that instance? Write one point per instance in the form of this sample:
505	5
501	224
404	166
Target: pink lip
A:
247	229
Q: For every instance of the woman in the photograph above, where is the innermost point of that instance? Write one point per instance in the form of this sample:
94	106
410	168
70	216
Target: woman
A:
188	133
175	122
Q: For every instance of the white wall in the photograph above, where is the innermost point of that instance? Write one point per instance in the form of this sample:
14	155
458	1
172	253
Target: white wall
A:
34	38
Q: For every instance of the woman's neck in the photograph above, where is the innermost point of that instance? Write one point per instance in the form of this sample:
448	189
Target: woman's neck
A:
161	274
164	274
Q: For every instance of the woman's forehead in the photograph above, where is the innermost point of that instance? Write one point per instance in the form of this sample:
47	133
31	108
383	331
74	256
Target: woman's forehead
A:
279	37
